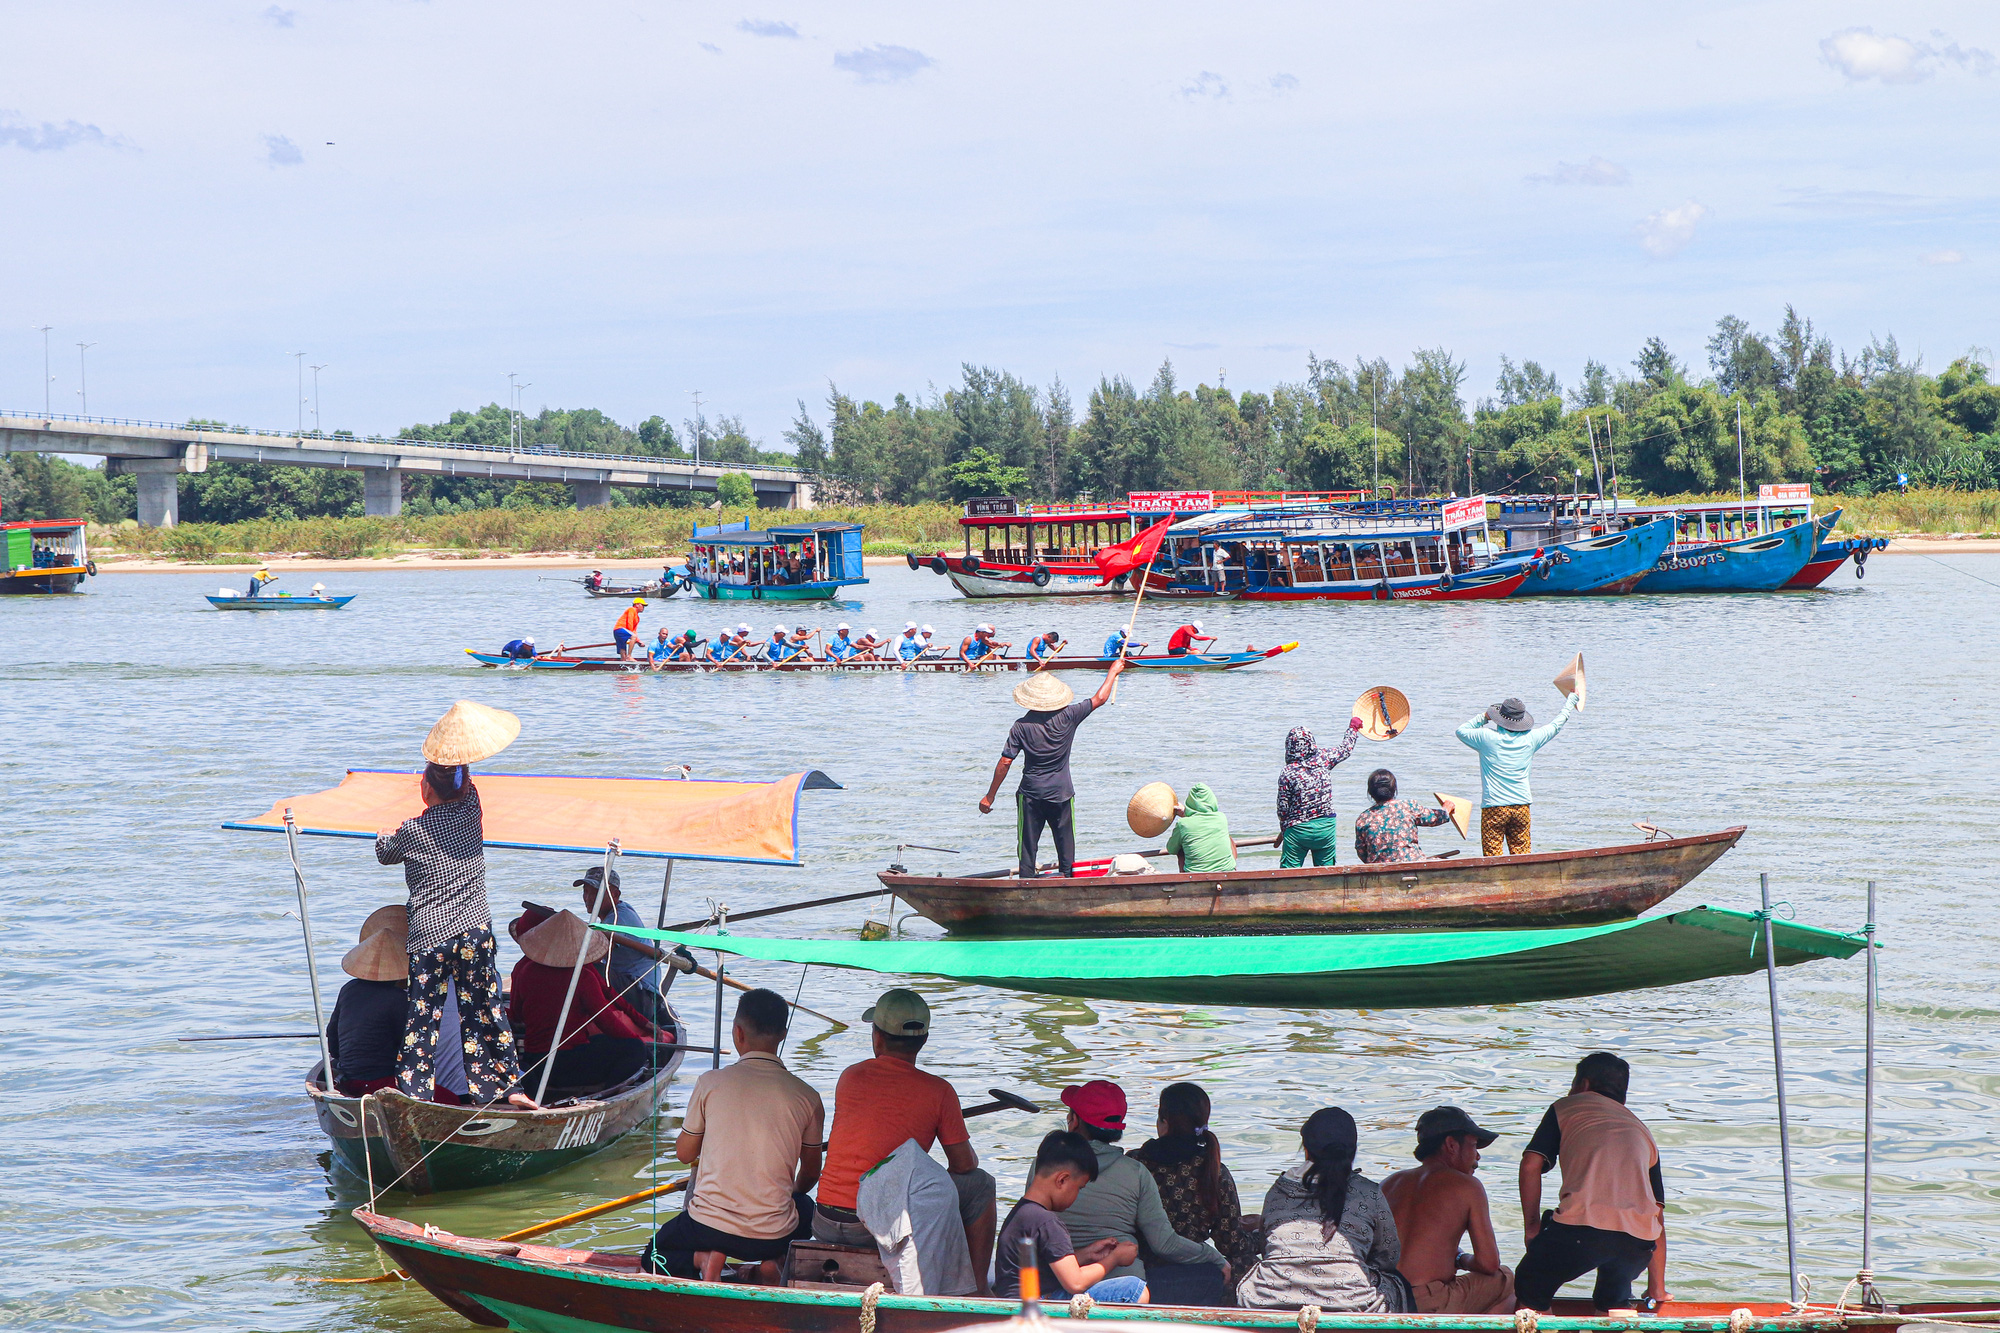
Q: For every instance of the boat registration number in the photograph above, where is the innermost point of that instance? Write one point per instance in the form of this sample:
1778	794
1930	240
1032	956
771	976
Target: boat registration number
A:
584	1129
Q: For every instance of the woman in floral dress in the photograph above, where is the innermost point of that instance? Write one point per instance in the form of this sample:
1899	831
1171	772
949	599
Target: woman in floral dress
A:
1200	1199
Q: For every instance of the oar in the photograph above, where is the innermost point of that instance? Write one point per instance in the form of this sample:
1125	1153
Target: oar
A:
734	984
1052	654
787	907
257	1036
1003	1100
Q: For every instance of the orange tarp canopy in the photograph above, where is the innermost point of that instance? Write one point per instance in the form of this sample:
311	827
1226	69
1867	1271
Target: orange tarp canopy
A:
691	820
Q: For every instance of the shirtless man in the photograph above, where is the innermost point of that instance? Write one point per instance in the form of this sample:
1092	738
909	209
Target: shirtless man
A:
1435	1205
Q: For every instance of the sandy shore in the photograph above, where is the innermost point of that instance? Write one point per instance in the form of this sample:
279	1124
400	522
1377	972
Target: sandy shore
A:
115	564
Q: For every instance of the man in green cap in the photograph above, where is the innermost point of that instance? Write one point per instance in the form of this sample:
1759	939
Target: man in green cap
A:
881	1102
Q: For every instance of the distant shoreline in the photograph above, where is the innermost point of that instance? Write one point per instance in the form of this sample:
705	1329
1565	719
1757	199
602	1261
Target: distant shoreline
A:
564	560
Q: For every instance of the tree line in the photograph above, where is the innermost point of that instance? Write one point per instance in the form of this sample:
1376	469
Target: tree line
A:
1853	424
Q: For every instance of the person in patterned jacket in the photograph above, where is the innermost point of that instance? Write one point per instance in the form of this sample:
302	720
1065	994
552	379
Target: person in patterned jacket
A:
1305	797
1200	1199
1387	831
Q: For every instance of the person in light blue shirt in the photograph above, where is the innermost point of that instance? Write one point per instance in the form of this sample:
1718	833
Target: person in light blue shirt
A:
1506	751
910	647
840	647
779	646
1118	645
1045	645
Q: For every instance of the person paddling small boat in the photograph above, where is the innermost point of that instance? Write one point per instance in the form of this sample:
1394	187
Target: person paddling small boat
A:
443	855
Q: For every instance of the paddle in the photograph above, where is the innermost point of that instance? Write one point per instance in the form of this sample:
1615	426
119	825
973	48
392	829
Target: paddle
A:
1052	654
1003	1100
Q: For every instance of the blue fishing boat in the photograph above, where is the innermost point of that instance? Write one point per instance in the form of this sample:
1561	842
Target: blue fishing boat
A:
1579	553
230	600
1761	562
793	562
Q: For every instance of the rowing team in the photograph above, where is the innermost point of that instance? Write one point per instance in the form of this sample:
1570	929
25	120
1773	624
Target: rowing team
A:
915	643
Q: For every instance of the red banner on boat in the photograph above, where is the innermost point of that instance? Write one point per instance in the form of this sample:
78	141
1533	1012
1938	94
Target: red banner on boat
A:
1126	556
1170	502
1464	513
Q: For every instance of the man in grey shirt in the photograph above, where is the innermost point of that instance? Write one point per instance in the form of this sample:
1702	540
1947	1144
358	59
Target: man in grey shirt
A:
1123	1203
1044	735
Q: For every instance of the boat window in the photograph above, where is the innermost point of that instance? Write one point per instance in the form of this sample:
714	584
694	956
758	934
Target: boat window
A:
1368	561
1306	567
1339	561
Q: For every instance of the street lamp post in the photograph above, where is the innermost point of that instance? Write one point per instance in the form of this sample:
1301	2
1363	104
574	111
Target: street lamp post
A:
47	378
83	380
301	358
316	370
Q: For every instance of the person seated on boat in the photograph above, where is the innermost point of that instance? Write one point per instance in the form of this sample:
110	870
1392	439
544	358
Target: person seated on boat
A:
639	970
1329	1236
663	645
981	643
1045	645
1437	1204
1306	817
687	648
519	650
1200	840
605	1039
1183	640
1123	1202
1611	1216
928	637
800	641
910	646
1387	830
725	646
868	648
1064	1167
1116	645
260	580
778	647
841	646
1046	797
593	580
366	1029
758	1131
1200	1199
1506	753
626	632
885	1100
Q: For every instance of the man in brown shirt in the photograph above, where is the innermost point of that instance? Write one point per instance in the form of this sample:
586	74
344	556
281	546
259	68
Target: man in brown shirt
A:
1611	1217
1438	1203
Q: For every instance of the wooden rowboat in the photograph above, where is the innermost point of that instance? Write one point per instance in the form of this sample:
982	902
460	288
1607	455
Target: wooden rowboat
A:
508	1284
1578	888
425	1147
281	601
946	666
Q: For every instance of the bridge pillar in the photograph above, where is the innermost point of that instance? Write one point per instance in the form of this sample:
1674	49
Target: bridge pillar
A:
802	496
382	492
159	497
591	494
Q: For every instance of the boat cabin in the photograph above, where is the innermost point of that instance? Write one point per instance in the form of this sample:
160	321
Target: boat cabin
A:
792	562
1777	507
44	555
1177	567
1000	530
1529	522
1360	545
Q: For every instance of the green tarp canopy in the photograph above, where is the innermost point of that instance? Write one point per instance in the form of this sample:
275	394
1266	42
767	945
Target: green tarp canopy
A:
1382	970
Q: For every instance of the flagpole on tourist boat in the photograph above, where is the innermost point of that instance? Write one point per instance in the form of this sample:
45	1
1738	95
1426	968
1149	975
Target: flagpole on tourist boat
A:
1778	1065
576	971
1870	1298
312	964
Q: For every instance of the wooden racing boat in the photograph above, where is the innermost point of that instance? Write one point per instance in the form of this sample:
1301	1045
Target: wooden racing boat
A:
1587	887
946	666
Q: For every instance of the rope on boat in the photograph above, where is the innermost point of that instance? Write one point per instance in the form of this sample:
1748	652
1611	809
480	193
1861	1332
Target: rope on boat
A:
1308	1318
868	1300
1525	1321
1740	1320
1079	1305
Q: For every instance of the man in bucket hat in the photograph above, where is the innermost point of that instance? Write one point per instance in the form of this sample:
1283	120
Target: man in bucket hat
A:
1439	1203
1506	750
1044	734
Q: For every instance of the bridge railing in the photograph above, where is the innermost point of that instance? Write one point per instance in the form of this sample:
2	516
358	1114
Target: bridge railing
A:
540	451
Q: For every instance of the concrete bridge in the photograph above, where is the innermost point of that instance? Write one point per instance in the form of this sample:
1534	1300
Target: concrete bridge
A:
157	452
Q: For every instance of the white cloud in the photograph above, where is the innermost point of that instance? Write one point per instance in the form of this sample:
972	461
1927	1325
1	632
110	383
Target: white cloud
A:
710	47
1667	232
882	64
280	151
1597	171
1283	83
49	137
281	18
1945	257
1862	54
768	28
1206	84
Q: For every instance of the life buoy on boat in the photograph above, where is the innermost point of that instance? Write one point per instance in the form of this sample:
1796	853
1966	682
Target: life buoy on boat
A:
1041	576
1120	582
970	564
937	564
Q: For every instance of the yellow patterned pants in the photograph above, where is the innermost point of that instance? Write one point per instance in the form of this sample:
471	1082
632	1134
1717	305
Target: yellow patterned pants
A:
1504	830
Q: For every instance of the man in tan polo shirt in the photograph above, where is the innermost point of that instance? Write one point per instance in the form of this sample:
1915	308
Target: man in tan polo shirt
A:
756	1131
1611	1217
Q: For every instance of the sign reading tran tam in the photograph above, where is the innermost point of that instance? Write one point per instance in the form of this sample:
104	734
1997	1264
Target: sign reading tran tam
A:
1462	513
1170	502
1786	491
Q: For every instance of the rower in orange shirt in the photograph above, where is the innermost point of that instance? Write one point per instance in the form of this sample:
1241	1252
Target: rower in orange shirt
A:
627	628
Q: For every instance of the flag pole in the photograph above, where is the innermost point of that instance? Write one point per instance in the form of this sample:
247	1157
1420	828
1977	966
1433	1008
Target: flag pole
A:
1144	572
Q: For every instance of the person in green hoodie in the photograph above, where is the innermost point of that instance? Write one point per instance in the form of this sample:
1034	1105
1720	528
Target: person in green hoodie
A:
1201	839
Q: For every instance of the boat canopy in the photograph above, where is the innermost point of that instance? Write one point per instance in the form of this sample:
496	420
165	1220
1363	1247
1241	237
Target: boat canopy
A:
1385	969
755	822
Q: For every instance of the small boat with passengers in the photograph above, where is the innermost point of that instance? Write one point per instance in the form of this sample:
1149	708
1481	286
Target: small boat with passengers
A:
789	562
44	555
229	599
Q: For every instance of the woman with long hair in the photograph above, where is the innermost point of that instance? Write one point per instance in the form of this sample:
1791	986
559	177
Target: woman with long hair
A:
1329	1237
1200	1199
443	855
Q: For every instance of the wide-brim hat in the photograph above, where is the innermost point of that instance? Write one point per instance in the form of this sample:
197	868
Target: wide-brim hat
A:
554	943
1151	810
1043	693
469	733
1511	715
396	917
383	956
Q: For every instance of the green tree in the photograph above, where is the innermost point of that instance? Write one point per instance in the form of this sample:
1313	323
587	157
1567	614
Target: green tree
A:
735	490
808	441
981	472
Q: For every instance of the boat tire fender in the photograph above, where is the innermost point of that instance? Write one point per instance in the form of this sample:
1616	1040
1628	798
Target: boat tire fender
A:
1383	592
911	556
1120	582
1542	570
1445	582
970	564
937	564
90	568
1041	576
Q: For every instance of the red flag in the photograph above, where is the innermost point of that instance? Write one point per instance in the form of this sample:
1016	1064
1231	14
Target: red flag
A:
1127	556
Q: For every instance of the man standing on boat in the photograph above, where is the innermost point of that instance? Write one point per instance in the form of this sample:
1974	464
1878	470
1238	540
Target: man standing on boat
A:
626	631
1046	795
1506	751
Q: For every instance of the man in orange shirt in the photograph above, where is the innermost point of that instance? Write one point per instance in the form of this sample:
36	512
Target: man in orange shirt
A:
627	628
879	1103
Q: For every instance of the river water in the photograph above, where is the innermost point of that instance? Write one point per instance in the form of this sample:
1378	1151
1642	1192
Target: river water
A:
153	1184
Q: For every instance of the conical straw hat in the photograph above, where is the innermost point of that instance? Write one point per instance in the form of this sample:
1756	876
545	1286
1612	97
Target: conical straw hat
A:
1151	810
469	733
1460	808
555	942
1570	680
383	956
1371	706
396	917
1043	693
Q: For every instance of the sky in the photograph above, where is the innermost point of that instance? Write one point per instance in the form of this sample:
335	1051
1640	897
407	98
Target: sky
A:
626	203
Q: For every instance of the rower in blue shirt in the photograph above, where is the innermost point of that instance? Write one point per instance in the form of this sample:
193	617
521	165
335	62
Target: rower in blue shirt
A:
779	646
687	648
980	643
1119	646
1045	645
725	648
909	647
520	650
840	647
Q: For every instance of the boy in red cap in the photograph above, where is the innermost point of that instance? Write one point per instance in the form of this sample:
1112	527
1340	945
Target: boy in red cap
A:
1123	1203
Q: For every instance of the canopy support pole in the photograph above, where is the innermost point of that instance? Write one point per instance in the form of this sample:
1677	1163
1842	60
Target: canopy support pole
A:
1784	1121
1870	1298
312	964
576	971
721	927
